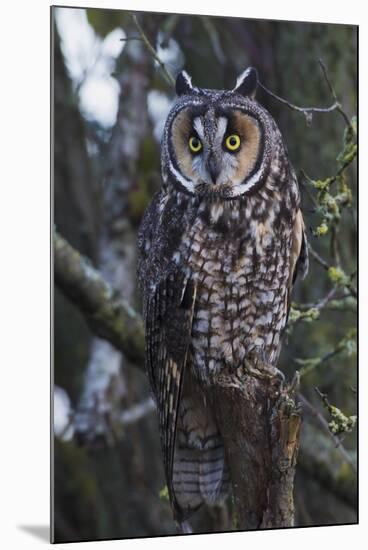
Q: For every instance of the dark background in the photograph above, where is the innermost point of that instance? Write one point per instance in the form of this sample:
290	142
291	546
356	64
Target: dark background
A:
108	467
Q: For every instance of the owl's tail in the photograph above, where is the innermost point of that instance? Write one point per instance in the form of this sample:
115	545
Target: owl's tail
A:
200	477
200	472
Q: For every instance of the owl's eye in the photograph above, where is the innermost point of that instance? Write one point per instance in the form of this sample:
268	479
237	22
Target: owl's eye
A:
232	142
195	144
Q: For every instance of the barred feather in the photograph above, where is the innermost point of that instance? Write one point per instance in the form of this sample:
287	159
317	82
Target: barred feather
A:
169	315
200	473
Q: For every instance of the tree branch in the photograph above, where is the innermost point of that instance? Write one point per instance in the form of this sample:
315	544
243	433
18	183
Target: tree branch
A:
310	409
308	111
168	76
109	317
321	304
259	421
334	95
318	258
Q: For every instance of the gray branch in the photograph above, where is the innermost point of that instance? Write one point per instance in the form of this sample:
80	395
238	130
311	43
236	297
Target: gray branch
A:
109	317
308	111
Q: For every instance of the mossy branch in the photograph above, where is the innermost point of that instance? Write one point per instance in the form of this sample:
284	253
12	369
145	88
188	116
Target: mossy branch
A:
347	344
339	422
108	315
311	410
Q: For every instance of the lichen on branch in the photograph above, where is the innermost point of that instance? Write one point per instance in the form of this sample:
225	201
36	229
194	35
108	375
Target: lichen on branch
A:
109	317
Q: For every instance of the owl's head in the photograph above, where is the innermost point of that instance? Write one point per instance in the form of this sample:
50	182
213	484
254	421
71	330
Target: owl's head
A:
217	142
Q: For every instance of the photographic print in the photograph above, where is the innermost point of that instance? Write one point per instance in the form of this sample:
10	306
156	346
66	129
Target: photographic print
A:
204	181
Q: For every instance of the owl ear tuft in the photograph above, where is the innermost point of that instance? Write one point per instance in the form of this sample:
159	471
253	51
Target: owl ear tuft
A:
183	84
247	82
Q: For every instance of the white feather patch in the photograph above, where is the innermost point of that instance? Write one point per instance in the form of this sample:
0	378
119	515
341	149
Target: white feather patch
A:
241	78
189	185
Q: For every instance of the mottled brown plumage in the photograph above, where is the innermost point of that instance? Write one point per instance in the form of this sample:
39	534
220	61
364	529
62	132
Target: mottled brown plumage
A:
220	246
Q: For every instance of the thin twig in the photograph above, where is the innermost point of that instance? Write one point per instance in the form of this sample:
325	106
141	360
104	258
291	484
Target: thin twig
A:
168	76
312	364
321	303
330	296
307	111
334	246
324	424
341	169
332	90
318	258
304	308
307	190
353	291
329	83
331	179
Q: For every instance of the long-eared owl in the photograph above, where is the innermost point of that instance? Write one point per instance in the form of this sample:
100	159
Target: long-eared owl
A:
220	246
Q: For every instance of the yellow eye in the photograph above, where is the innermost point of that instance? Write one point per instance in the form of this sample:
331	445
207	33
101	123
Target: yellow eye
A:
195	144
233	142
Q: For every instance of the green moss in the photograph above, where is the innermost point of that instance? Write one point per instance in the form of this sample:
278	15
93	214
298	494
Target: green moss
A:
338	276
321	230
340	423
348	154
310	314
164	493
322	185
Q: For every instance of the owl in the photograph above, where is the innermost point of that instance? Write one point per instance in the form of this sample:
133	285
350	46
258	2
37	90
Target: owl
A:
220	246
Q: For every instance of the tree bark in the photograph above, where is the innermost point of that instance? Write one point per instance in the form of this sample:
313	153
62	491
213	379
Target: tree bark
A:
260	423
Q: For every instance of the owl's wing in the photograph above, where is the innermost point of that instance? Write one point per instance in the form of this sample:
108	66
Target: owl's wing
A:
299	252
299	261
169	315
169	298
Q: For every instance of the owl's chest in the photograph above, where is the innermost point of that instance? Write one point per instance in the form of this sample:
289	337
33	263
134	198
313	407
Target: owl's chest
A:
227	266
241	292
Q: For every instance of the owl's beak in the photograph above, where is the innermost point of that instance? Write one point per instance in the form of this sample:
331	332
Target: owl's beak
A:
213	168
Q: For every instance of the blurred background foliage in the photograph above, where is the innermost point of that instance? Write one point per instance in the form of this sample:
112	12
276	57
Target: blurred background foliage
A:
110	102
